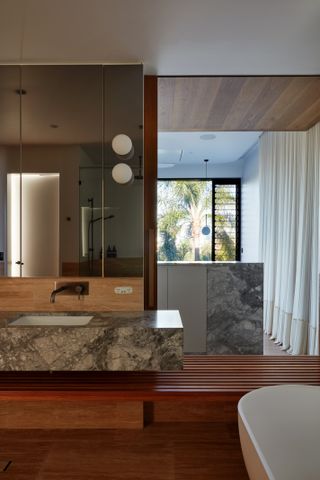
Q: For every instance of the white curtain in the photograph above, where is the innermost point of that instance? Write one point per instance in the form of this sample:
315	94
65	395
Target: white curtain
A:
289	237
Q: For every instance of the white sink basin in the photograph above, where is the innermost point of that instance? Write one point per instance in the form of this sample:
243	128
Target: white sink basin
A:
54	320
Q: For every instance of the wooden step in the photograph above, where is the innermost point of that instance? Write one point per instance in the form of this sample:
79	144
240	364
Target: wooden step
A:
203	377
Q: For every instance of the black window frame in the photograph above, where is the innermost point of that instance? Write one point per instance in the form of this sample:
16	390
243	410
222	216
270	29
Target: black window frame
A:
219	181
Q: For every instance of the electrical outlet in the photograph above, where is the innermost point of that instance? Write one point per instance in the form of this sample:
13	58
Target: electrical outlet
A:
123	290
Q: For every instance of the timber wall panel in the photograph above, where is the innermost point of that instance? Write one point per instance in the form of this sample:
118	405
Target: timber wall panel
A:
33	294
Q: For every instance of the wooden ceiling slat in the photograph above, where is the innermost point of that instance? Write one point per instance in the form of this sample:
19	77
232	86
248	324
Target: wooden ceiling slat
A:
238	103
300	91
205	96
249	93
223	104
308	118
165	100
268	97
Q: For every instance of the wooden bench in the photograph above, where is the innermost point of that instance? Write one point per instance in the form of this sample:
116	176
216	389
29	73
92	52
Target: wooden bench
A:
207	389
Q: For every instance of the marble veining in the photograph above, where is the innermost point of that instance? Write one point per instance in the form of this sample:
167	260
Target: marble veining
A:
235	308
110	341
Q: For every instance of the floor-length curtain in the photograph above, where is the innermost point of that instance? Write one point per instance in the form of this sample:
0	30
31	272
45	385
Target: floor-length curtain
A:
289	237
314	165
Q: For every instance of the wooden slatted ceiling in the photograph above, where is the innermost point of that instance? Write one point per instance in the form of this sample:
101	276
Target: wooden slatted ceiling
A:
207	377
238	103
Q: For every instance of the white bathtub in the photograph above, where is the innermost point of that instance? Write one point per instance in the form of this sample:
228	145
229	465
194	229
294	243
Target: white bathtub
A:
280	432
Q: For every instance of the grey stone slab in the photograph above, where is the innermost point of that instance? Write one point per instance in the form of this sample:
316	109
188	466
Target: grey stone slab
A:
111	341
235	309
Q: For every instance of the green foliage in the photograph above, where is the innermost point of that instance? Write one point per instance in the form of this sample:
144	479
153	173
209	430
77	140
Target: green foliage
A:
206	253
226	250
168	250
182	206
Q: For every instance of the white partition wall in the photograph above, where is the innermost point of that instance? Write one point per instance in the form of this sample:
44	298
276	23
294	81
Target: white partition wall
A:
37	220
184	288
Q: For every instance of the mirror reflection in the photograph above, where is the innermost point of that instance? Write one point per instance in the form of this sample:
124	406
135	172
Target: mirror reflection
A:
62	132
63	211
123	233
9	163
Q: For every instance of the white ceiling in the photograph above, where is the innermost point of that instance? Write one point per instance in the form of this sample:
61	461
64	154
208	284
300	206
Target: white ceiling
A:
171	37
187	148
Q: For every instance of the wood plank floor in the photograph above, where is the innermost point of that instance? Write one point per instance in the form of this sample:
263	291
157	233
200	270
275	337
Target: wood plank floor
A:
173	451
193	431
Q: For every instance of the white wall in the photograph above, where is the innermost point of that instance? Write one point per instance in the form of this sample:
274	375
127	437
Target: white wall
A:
250	206
222	170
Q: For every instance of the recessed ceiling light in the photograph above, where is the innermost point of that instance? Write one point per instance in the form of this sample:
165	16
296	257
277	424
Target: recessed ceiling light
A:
208	136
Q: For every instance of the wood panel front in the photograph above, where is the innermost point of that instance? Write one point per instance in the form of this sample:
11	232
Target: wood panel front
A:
223	410
33	294
76	414
243	103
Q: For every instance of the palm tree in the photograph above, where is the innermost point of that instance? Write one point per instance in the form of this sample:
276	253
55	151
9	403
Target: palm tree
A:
182	208
185	205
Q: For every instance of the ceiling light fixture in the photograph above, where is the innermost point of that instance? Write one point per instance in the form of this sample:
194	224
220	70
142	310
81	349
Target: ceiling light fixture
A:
206	230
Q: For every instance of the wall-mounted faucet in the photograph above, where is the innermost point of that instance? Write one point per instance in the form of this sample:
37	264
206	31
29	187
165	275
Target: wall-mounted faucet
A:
70	288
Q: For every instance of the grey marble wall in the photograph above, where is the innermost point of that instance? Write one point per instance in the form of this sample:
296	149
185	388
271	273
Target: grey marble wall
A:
235	309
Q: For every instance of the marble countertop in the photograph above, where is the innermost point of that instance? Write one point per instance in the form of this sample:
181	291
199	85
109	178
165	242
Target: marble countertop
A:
117	341
157	319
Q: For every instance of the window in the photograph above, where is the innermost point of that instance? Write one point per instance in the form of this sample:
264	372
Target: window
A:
186	206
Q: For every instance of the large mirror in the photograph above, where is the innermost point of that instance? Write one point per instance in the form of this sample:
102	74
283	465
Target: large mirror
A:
123	235
64	212
9	166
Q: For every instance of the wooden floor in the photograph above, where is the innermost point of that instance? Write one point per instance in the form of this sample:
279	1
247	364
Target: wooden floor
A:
173	451
271	348
190	420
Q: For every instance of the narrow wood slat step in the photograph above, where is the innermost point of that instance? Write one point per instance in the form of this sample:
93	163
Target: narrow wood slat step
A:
204	376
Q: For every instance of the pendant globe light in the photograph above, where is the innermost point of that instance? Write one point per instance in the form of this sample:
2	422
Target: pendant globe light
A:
123	174
206	230
122	146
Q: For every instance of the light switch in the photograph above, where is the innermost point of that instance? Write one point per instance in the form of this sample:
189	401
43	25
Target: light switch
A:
123	290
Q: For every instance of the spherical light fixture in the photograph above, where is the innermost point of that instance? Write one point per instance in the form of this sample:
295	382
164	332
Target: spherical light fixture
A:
205	230
122	145
122	174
